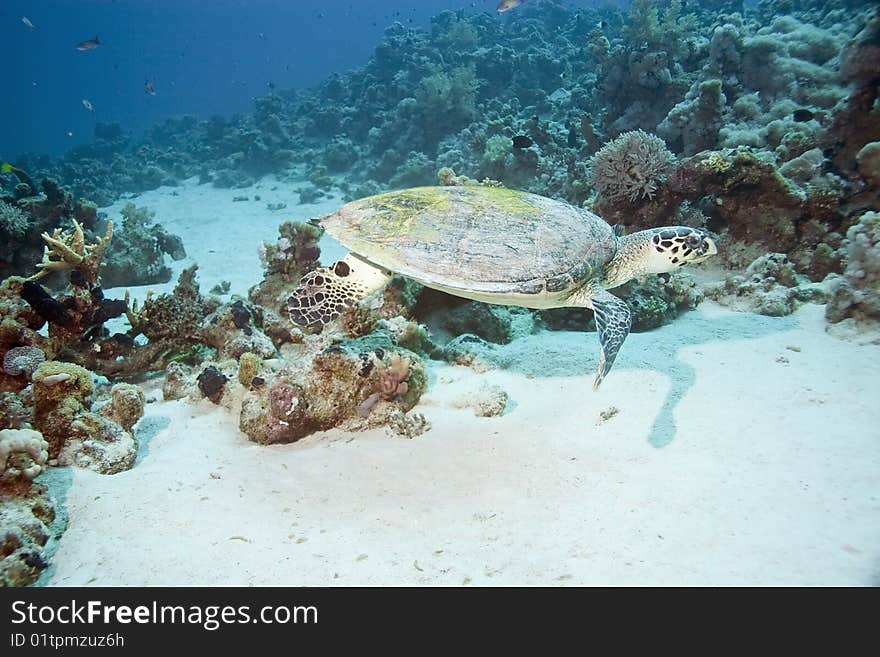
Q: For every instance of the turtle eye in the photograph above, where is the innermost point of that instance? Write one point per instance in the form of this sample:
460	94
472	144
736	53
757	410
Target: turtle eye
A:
693	240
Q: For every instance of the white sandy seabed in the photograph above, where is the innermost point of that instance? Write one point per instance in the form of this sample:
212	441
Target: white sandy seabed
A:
745	450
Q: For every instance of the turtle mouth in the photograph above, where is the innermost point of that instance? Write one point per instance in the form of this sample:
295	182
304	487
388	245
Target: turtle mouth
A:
707	249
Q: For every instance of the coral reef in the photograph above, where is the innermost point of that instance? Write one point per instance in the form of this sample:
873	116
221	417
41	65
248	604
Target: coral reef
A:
126	405
407	425
25	218
27	519
76	435
857	123
769	286
295	253
758	122
137	254
351	384
702	75
27	513
856	294
69	251
171	323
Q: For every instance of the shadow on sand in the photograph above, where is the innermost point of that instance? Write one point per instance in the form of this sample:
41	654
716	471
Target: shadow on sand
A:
567	353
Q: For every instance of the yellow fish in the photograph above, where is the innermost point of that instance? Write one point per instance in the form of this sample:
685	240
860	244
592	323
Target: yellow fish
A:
5	167
21	174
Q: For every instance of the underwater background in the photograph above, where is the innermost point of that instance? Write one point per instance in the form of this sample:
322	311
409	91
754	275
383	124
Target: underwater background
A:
164	169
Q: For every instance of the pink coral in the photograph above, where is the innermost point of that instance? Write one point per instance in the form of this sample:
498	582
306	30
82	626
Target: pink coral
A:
391	384
391	379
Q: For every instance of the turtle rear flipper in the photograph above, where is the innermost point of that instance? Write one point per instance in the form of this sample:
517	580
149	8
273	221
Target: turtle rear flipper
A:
323	294
613	321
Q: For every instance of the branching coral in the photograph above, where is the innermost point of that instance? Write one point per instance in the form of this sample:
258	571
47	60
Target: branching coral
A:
68	250
631	167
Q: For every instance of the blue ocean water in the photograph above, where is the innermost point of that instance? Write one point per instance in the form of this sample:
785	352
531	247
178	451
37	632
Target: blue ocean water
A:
204	58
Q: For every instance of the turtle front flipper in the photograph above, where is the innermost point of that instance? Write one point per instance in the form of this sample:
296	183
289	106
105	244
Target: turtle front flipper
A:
613	320
324	293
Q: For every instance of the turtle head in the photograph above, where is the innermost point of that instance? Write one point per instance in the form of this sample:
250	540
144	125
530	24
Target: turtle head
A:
657	251
672	247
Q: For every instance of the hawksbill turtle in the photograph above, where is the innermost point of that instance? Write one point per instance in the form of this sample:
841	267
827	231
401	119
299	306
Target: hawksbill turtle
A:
494	245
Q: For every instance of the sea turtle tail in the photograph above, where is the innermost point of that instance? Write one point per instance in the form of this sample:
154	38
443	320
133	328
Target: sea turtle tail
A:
613	321
323	294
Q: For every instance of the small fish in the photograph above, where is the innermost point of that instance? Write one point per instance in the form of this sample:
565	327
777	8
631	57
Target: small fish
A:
88	44
507	5
27	23
271	85
521	141
801	115
149	88
70	133
88	105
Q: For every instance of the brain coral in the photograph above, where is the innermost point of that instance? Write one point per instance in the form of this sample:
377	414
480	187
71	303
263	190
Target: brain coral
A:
631	166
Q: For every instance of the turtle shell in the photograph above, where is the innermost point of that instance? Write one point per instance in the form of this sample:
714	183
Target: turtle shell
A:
484	239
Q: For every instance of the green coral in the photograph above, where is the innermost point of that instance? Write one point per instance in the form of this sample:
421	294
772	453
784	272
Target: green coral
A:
667	32
449	94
